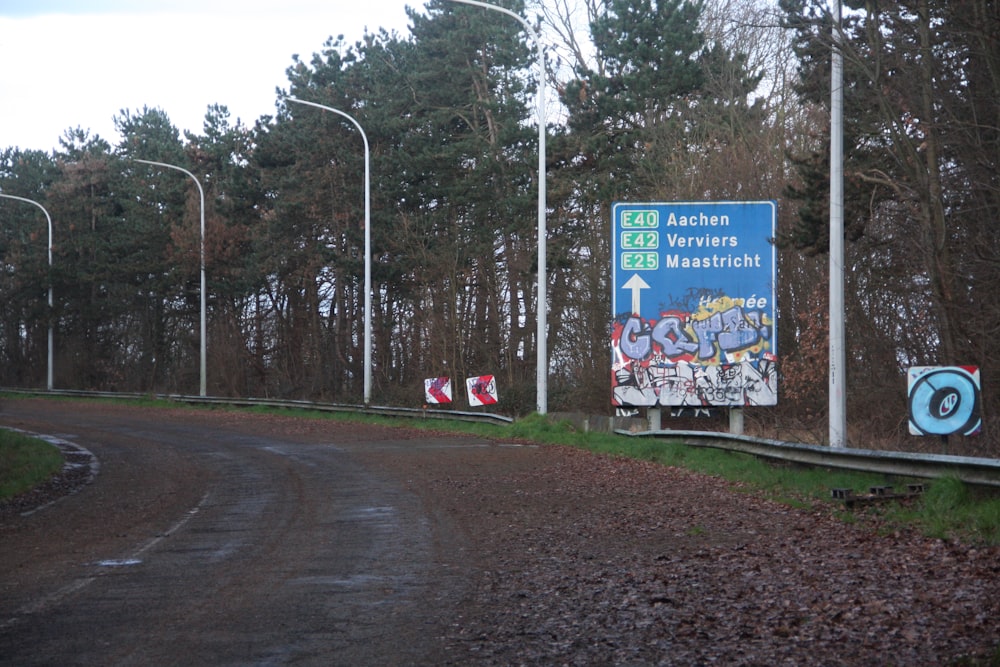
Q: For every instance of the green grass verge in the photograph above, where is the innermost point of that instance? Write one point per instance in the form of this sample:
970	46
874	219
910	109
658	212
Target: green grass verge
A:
950	508
25	462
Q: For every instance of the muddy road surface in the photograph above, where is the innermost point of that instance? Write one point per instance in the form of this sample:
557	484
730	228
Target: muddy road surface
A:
212	537
220	540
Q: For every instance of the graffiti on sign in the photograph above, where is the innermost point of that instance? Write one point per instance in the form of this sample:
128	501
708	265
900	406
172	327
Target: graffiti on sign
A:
437	390
691	412
716	357
693	304
482	390
944	400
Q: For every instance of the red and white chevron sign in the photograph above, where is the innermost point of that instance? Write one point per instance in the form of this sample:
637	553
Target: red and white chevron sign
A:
437	390
482	390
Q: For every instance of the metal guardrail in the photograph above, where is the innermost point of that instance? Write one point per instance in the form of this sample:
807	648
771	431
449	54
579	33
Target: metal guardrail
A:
972	470
385	411
979	471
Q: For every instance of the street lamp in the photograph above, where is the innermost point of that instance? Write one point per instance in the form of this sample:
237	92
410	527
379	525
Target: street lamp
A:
368	246
542	362
201	194
838	356
48	380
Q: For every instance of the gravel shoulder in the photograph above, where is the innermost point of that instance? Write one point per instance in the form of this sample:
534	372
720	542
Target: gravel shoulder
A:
580	559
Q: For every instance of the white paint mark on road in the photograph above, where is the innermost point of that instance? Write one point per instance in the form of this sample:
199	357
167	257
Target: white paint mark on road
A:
80	583
120	562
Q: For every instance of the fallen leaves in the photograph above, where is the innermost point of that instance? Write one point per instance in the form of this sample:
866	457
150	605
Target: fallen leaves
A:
607	561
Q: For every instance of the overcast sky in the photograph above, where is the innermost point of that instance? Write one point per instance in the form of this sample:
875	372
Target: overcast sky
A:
69	63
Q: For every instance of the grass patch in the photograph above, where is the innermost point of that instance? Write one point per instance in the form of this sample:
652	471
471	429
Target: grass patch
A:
25	462
950	509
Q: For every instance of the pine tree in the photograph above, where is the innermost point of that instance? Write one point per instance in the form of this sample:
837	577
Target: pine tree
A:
25	275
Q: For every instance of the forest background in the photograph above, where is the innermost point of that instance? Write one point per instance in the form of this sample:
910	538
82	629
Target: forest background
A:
721	100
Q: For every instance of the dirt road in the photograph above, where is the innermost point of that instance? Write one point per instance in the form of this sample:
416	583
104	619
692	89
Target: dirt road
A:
226	538
204	539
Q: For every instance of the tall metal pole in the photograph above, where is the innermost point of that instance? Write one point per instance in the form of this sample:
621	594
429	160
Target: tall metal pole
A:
368	245
838	357
204	354
542	364
48	379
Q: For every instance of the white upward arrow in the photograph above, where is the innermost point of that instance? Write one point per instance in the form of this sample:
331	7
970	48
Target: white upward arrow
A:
636	284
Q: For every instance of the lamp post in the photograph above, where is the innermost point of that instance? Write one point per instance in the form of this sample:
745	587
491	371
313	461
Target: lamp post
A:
201	194
542	361
838	356
48	380
368	246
